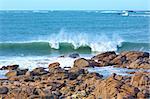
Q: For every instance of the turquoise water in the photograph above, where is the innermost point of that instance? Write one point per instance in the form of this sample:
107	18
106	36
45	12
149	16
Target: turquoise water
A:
42	33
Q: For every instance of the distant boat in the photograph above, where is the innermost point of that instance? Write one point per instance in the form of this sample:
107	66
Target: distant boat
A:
125	13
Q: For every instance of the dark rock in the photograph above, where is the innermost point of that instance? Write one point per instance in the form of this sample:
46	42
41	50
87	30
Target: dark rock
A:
74	73
93	63
96	75
38	71
104	59
74	55
4	90
29	79
72	76
10	67
22	71
146	54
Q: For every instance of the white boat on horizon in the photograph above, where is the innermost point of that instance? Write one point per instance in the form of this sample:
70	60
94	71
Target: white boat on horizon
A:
125	13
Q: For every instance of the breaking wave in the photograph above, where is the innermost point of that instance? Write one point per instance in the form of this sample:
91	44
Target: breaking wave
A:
69	42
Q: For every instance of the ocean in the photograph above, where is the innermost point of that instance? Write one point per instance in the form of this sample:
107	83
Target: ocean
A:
36	37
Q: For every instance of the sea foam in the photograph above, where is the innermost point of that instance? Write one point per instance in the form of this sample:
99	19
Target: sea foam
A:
97	43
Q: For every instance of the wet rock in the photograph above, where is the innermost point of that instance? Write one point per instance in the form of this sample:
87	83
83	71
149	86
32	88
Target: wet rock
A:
38	71
75	72
11	73
74	55
78	83
132	59
93	63
81	63
4	90
10	67
104	59
21	71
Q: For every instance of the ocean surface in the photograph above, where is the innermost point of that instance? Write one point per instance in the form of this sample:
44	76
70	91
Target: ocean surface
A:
33	37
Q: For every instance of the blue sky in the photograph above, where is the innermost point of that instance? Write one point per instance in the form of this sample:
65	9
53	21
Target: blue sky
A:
74	4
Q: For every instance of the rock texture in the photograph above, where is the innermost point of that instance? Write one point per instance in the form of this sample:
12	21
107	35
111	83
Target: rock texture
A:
131	59
104	59
55	82
81	63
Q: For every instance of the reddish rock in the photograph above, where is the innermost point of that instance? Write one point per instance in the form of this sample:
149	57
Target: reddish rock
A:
132	59
140	63
81	63
113	88
11	73
140	79
77	82
38	71
54	65
104	59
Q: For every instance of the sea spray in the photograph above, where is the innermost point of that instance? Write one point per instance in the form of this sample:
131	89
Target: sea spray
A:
65	42
97	42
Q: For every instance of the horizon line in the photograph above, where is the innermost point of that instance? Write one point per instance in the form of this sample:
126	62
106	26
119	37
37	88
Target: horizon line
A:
69	10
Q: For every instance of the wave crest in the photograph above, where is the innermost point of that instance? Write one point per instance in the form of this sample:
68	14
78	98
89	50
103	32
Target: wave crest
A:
97	43
65	42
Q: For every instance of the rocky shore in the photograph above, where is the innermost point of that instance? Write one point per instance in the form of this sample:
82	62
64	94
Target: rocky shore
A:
77	82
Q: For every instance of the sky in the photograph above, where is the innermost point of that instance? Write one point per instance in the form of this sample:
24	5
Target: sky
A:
74	4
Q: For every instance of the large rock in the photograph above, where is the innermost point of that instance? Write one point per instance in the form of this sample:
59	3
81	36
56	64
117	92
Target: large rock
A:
81	63
104	59
38	71
124	59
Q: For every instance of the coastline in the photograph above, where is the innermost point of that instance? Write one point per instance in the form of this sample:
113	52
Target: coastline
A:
77	81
